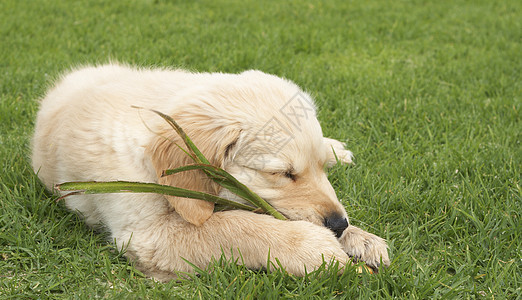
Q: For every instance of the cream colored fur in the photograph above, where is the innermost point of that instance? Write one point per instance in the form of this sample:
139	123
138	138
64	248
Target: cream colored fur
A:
260	128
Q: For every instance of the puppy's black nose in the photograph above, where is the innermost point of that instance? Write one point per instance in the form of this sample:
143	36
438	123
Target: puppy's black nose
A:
336	223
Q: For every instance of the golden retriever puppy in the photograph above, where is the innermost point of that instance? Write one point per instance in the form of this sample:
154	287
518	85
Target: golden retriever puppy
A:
260	128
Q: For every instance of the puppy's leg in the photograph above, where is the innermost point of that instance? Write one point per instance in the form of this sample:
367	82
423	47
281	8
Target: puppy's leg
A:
336	149
365	246
161	249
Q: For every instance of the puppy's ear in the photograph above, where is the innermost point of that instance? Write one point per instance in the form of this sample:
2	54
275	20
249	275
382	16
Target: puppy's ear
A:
165	154
336	151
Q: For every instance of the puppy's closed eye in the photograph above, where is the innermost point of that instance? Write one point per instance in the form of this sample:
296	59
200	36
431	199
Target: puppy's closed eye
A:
288	174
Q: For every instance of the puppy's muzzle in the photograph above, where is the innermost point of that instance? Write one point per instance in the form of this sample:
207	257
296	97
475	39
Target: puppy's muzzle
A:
336	223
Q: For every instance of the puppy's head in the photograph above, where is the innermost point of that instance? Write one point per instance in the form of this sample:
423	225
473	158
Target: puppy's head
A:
264	131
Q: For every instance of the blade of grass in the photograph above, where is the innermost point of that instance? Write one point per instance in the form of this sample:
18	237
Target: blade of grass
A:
94	187
190	167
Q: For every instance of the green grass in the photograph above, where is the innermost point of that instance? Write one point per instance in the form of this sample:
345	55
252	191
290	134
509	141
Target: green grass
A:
427	95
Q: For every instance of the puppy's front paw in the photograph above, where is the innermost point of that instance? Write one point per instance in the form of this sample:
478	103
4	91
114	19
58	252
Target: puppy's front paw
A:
365	246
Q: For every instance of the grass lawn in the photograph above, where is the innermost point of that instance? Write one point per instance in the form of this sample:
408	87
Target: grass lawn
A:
427	94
